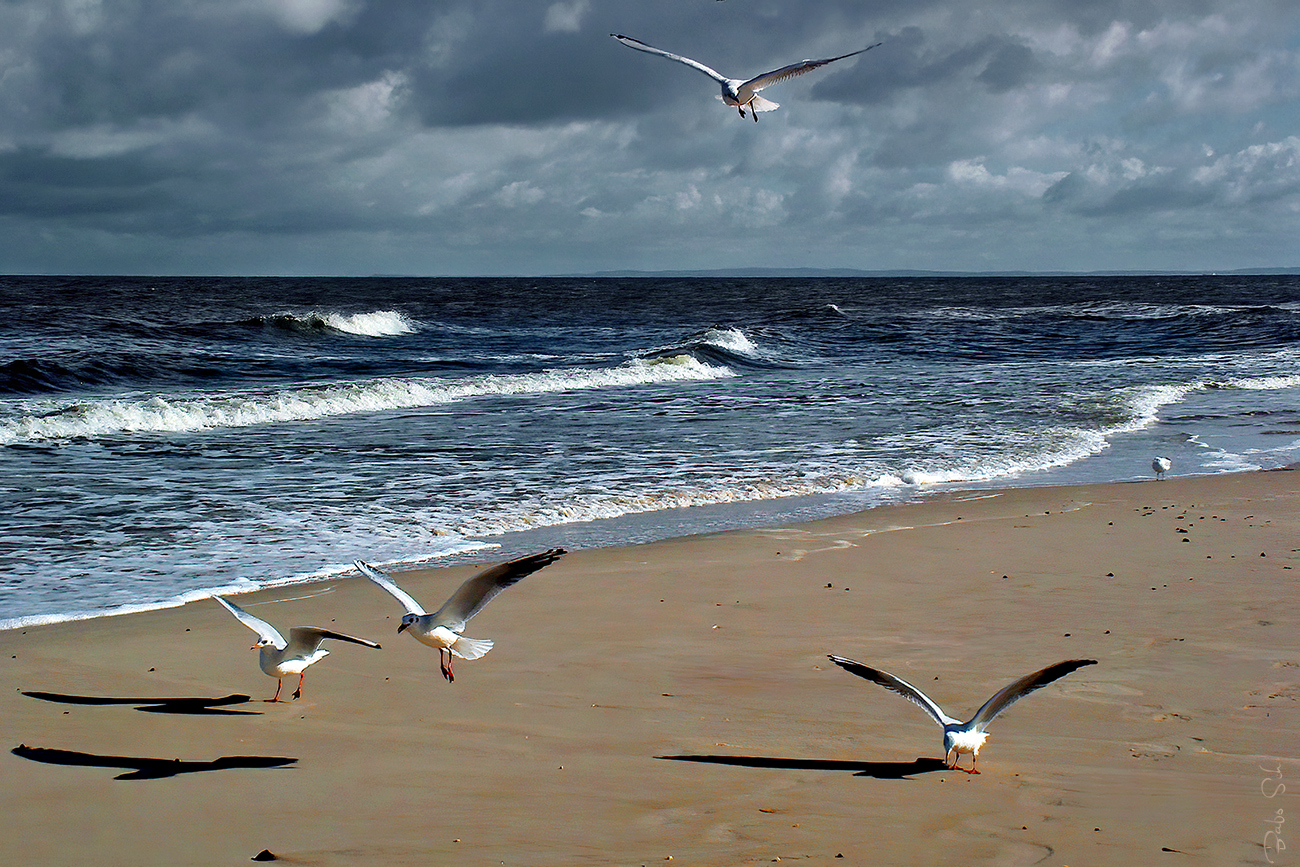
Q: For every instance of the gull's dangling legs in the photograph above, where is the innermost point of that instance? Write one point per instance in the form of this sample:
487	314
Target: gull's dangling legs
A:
753	111
741	109
297	693
446	666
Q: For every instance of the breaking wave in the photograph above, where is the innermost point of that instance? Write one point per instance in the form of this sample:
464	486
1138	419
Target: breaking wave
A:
93	419
379	323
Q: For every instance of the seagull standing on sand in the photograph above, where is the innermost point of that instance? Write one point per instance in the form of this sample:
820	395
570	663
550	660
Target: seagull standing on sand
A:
442	629
736	91
965	737
1161	466
279	657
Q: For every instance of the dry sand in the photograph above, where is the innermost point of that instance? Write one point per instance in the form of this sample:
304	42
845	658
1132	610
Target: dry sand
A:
550	750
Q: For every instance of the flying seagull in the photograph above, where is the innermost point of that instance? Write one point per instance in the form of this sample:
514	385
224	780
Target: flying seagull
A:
279	657
442	629
739	92
1161	466
965	737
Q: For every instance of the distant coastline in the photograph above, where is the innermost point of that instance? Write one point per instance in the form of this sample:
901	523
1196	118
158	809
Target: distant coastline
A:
747	273
903	272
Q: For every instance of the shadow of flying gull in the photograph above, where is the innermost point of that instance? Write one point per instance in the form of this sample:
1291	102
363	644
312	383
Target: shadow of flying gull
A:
144	768
183	704
879	770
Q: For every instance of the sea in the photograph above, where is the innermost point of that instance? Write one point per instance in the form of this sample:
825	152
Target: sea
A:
163	439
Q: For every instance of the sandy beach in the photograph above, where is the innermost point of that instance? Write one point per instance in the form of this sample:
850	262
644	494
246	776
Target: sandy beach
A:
673	702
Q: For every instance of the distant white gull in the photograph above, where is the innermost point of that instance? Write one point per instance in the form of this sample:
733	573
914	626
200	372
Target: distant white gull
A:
965	737
1161	466
736	91
442	629
279	657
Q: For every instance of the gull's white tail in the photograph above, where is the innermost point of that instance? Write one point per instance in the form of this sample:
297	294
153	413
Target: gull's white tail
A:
471	648
757	103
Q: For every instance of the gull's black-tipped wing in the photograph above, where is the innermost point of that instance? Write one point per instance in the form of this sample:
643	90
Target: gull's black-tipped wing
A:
767	79
898	685
1016	690
478	591
650	49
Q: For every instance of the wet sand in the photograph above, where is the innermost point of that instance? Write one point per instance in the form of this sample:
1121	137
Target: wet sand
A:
673	702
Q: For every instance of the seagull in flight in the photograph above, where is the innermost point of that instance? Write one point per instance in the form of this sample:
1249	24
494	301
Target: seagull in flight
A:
279	657
442	629
965	737
736	91
1161	466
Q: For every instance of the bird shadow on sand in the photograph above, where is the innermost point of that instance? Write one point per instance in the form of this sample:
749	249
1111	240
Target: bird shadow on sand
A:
879	770
184	704
144	768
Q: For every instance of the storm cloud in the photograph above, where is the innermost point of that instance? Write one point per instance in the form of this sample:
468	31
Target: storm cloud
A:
503	136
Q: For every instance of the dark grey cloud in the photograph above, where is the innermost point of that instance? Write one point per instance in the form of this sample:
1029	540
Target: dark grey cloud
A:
505	135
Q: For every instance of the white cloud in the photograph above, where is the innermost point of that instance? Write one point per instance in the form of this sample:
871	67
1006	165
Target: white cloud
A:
1259	172
308	16
362	108
566	17
1018	180
518	194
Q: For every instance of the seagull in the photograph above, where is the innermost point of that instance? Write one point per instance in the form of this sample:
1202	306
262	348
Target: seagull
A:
736	91
442	629
1161	466
965	737
279	657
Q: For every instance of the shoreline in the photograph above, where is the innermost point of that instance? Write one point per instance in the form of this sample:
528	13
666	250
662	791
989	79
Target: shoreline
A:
645	527
673	700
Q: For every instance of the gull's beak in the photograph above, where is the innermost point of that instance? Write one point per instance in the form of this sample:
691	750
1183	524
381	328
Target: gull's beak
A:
255	647
402	627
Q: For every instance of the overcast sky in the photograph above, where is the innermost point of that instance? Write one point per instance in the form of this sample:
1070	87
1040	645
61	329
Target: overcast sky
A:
516	137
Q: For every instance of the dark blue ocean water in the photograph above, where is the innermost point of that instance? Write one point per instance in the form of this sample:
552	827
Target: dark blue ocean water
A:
165	438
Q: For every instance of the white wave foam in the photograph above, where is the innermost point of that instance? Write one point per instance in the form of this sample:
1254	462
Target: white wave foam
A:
187	414
239	585
1143	403
235	587
1071	446
380	323
732	340
1264	383
583	507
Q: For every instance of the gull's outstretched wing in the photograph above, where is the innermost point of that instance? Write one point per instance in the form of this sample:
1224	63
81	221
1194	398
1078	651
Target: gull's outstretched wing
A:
1013	692
694	64
898	685
478	591
303	640
411	606
261	627
767	79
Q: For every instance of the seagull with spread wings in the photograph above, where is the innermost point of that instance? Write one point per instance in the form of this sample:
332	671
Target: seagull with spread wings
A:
442	629
965	737
279	657
736	91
